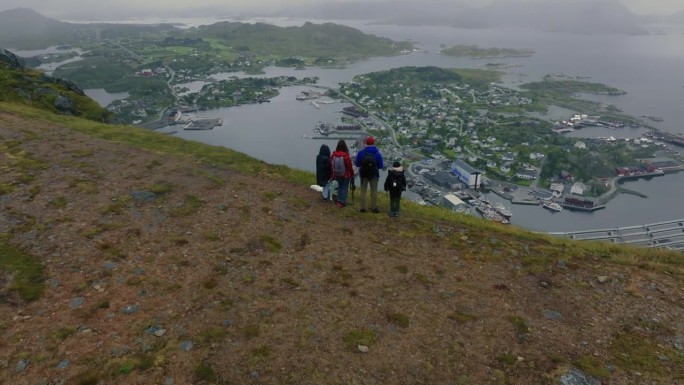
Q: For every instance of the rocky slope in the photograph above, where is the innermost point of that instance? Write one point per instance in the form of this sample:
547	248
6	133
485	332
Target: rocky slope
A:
21	85
166	269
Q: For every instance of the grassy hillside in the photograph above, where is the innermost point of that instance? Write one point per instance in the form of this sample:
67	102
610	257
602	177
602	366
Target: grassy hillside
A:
132	257
23	28
34	88
319	40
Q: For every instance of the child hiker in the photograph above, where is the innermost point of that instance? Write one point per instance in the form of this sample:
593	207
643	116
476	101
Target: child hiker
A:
395	183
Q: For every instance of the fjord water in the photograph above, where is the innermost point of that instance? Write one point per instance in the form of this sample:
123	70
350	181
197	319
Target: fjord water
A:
649	68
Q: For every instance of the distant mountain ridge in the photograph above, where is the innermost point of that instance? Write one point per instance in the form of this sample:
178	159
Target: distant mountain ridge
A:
28	20
24	28
582	16
25	25
326	39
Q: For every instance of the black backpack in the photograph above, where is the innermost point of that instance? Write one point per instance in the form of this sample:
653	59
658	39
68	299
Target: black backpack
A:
394	182
369	166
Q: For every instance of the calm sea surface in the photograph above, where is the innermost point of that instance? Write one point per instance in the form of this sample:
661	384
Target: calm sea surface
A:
649	68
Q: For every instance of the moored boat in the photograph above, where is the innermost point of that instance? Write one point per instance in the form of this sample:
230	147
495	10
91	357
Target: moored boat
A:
501	209
553	206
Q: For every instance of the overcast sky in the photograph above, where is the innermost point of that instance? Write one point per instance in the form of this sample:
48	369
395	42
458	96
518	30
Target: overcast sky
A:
66	8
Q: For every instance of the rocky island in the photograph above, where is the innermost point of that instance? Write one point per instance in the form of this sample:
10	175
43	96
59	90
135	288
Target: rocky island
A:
476	52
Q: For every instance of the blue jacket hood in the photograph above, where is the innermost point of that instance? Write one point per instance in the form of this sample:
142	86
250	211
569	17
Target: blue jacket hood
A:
371	149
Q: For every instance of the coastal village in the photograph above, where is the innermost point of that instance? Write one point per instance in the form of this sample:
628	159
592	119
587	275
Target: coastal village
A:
456	145
461	138
448	127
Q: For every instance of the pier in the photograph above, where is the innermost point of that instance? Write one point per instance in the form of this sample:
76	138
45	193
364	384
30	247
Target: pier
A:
336	137
661	235
671	138
203	123
529	202
632	192
575	207
640	175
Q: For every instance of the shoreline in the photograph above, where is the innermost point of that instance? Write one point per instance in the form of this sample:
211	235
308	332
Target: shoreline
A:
525	195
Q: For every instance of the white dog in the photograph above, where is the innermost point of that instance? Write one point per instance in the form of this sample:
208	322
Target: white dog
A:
330	188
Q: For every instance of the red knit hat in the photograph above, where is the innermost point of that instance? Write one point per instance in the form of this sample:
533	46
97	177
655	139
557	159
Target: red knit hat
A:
370	141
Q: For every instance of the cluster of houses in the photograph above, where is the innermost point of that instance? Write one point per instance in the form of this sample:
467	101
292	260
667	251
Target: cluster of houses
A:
417	110
579	121
152	72
439	118
640	169
558	188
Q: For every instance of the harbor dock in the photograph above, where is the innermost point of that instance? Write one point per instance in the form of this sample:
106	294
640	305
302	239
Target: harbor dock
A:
570	206
525	201
203	123
335	137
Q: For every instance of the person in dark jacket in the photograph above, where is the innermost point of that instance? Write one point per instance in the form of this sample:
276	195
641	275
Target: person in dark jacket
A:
395	183
323	174
371	178
345	175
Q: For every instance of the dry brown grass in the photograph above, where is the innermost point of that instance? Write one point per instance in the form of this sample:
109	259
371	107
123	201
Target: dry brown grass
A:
276	293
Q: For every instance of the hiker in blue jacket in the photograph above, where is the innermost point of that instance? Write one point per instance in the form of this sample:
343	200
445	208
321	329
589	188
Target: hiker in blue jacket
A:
369	161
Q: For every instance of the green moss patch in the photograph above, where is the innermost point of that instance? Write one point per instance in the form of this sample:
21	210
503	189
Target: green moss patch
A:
356	337
26	272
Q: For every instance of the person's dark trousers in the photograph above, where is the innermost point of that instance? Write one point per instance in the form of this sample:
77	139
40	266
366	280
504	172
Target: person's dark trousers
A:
395	199
373	182
342	190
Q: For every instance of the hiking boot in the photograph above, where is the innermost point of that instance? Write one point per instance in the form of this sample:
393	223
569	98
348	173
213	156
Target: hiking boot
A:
362	210
375	211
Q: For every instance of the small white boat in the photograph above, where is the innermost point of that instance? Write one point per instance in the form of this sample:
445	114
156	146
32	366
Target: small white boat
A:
501	209
553	206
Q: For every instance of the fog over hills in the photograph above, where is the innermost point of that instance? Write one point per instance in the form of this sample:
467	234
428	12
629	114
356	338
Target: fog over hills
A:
677	17
572	16
27	29
583	16
24	21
